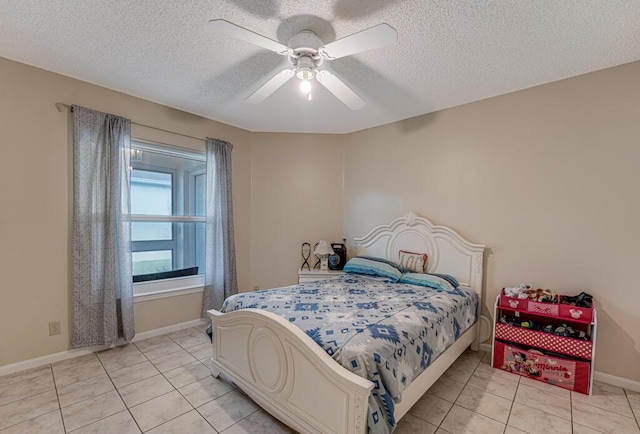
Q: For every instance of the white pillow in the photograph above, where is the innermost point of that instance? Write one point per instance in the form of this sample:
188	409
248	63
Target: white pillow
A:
416	262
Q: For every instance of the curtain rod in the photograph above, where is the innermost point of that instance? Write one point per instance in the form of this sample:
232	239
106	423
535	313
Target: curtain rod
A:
61	106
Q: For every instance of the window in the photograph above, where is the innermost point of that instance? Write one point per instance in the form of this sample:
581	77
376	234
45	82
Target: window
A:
167	212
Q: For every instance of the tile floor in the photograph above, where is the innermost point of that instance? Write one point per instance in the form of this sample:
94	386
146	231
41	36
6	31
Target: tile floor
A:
473	398
162	385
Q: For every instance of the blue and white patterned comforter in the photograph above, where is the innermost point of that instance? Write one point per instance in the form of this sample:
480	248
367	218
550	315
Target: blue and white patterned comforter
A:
385	332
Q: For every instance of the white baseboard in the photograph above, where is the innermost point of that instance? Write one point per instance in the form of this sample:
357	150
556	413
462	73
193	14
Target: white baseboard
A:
167	329
49	358
63	355
485	347
617	381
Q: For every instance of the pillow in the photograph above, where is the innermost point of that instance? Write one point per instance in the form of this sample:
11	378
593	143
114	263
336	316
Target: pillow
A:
385	261
426	280
452	280
359	265
416	262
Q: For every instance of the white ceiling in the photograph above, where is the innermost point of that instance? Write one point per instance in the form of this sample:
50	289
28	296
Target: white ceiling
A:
448	52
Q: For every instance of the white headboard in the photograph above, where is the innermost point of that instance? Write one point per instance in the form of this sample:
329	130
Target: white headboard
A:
448	252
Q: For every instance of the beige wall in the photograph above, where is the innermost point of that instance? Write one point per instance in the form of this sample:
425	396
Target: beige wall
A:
296	196
296	180
150	315
35	193
547	178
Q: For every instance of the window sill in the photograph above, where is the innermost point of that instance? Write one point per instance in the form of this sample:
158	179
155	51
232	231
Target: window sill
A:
145	291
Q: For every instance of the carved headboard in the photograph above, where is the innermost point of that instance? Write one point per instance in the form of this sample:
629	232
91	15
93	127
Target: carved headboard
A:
448	252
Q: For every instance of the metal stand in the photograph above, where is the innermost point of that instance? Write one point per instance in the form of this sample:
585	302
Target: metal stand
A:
316	266
306	252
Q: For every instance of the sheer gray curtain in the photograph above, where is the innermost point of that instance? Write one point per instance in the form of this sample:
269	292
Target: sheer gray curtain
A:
102	282
220	253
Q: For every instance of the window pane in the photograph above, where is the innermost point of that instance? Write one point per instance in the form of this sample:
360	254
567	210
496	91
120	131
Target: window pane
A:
185	250
152	262
167	181
151	192
150	231
166	184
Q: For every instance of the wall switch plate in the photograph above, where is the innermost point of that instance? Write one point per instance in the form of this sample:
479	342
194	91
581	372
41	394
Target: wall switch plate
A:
54	328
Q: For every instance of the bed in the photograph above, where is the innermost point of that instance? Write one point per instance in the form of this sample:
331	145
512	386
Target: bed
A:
291	376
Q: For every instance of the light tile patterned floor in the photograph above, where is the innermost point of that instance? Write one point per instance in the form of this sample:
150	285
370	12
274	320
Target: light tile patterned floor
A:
473	398
161	385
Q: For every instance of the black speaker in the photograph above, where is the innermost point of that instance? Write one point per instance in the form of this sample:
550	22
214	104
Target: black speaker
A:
339	257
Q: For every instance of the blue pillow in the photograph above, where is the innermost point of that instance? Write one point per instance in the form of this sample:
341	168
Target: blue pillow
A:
369	267
427	280
385	261
452	280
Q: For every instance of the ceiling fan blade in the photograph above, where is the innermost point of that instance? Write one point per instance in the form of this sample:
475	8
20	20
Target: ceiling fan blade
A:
373	37
270	86
340	90
238	32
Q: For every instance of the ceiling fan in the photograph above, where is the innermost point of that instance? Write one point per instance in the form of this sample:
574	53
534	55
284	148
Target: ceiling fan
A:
307	52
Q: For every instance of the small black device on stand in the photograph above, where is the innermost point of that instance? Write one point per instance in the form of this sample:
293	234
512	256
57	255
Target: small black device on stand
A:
338	260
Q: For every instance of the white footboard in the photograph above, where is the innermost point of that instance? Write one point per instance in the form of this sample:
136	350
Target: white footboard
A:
287	373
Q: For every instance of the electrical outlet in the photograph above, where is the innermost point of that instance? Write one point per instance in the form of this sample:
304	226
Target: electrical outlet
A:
54	328
256	288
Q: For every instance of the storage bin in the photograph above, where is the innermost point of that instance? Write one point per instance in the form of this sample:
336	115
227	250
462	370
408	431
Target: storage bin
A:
513	303
575	312
567	373
545	341
544	308
524	304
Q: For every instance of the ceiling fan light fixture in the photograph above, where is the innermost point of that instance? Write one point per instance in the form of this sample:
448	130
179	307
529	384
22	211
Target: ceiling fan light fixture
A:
304	73
304	68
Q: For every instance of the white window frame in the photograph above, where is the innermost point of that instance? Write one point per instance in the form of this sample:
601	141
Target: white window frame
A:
154	289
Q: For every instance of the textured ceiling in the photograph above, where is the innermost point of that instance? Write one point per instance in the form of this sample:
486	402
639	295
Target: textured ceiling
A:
448	52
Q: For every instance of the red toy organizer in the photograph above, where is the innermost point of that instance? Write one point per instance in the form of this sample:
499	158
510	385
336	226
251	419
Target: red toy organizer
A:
562	361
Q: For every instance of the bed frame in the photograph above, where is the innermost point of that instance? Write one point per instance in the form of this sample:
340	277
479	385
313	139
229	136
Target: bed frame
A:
294	379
